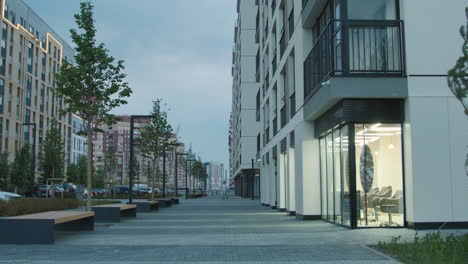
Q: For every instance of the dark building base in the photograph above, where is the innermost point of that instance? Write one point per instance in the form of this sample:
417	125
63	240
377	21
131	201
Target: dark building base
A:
308	217
438	225
273	207
292	213
282	209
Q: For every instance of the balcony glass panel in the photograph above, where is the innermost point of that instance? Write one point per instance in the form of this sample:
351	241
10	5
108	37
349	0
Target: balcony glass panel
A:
372	9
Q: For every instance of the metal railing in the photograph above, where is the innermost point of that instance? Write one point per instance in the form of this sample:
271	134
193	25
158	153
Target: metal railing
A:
355	48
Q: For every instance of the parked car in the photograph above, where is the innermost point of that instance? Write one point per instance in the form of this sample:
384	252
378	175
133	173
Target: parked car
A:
7	196
121	189
156	190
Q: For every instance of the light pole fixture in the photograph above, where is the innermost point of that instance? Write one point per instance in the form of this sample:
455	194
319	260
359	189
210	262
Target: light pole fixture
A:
186	177
164	165
33	173
176	172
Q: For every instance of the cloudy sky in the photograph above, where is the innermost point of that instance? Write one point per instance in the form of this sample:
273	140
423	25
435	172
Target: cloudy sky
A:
177	50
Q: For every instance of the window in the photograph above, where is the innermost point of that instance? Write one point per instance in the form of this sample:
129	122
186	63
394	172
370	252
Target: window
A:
2	95
372	9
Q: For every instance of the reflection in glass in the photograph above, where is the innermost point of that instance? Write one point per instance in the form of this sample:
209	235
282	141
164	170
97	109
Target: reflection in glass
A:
330	210
337	174
345	198
380	195
372	9
323	177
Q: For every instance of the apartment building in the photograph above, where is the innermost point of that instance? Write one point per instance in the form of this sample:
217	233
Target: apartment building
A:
357	124
117	137
79	141
215	178
30	54
244	125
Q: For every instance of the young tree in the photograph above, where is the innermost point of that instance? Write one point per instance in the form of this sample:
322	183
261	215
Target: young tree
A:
99	178
82	169
154	138
458	75
4	170
72	173
94	84
53	160
110	161
21	169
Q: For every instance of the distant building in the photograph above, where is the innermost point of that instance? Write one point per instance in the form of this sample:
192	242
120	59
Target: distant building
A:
215	171
117	137
79	142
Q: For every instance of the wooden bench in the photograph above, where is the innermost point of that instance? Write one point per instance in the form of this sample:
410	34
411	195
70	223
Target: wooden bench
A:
113	212
164	202
146	206
40	228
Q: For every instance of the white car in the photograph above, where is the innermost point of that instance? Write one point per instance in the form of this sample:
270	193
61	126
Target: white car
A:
7	196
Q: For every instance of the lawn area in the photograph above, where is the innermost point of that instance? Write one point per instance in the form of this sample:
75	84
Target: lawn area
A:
31	206
431	249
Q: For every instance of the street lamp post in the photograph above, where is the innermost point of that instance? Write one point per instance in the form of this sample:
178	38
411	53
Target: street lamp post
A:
33	173
176	172
186	177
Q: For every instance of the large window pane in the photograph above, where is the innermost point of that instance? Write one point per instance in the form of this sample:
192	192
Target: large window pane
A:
372	9
345	194
379	179
337	174
323	177
330	177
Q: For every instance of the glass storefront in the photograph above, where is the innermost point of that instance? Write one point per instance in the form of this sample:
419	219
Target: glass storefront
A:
376	171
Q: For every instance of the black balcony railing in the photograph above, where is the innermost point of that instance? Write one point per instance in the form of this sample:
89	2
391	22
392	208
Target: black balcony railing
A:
355	48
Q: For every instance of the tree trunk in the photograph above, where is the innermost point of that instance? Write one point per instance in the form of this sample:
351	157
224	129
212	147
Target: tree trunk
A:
90	170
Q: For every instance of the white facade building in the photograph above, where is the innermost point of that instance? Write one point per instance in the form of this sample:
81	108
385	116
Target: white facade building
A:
244	125
358	126
215	178
79	142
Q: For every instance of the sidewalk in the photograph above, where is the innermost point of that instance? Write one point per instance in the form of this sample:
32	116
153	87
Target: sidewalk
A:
210	230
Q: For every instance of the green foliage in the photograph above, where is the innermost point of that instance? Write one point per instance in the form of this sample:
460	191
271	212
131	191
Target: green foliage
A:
140	196
53	160
110	161
431	248
99	178
198	170
76	173
156	135
4	170
32	206
95	83
21	169
458	75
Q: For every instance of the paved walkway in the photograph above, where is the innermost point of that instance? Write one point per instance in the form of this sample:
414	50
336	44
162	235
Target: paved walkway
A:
210	230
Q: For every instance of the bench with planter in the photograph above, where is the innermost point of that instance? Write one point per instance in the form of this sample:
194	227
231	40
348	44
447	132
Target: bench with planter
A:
164	202
40	228
113	212
146	206
175	200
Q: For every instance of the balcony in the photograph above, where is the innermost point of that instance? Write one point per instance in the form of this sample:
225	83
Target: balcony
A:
355	48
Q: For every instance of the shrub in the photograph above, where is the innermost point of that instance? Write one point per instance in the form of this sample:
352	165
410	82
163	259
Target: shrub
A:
431	248
140	196
31	206
100	202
